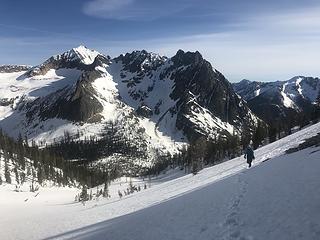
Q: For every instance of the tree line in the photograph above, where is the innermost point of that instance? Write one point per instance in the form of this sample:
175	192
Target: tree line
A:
29	163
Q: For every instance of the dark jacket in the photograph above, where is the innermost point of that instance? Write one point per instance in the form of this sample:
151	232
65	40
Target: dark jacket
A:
249	155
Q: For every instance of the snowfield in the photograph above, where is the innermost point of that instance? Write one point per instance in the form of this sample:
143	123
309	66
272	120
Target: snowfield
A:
276	199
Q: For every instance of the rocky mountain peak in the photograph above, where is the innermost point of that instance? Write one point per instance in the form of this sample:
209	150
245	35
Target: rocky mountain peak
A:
80	54
138	61
187	58
80	58
281	102
244	81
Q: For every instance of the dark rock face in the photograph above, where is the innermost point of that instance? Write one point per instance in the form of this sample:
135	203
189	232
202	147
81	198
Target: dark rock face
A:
140	64
75	103
6	102
198	89
140	61
144	111
83	102
199	86
269	107
248	89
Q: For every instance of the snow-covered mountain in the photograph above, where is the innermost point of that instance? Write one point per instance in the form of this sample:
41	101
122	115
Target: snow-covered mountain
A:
276	199
281	99
13	68
156	101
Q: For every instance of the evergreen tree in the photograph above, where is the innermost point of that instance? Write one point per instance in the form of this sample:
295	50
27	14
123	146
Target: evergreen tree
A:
40	174
7	171
84	194
196	154
315	112
272	133
91	195
20	152
15	169
22	177
105	192
259	135
233	145
318	99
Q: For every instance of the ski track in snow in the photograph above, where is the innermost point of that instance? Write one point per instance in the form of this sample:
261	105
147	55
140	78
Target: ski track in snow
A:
67	220
232	224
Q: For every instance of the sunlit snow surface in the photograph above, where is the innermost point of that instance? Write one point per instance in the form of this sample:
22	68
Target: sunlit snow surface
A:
82	53
276	199
287	102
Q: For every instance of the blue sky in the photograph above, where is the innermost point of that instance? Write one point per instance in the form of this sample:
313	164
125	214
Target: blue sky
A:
257	40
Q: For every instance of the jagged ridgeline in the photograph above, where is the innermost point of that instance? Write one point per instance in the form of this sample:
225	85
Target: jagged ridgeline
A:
131	113
283	104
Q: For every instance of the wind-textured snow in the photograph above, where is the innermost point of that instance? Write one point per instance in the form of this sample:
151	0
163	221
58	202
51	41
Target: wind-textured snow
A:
277	199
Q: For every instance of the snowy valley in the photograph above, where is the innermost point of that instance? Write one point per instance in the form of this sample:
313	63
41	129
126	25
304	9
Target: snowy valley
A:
94	147
281	191
129	120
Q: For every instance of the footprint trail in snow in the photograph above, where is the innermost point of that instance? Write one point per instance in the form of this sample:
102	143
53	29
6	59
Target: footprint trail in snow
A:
233	225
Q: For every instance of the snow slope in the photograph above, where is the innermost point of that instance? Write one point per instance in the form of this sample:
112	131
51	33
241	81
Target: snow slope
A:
81	53
277	199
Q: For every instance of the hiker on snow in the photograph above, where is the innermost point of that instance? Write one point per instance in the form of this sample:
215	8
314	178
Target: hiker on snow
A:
249	155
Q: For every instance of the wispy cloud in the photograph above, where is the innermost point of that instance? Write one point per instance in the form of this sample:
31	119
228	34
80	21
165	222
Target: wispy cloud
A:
270	45
262	47
303	20
134	9
106	8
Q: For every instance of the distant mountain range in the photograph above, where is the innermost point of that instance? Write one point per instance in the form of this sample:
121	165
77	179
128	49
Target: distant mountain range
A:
153	100
13	68
282	101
